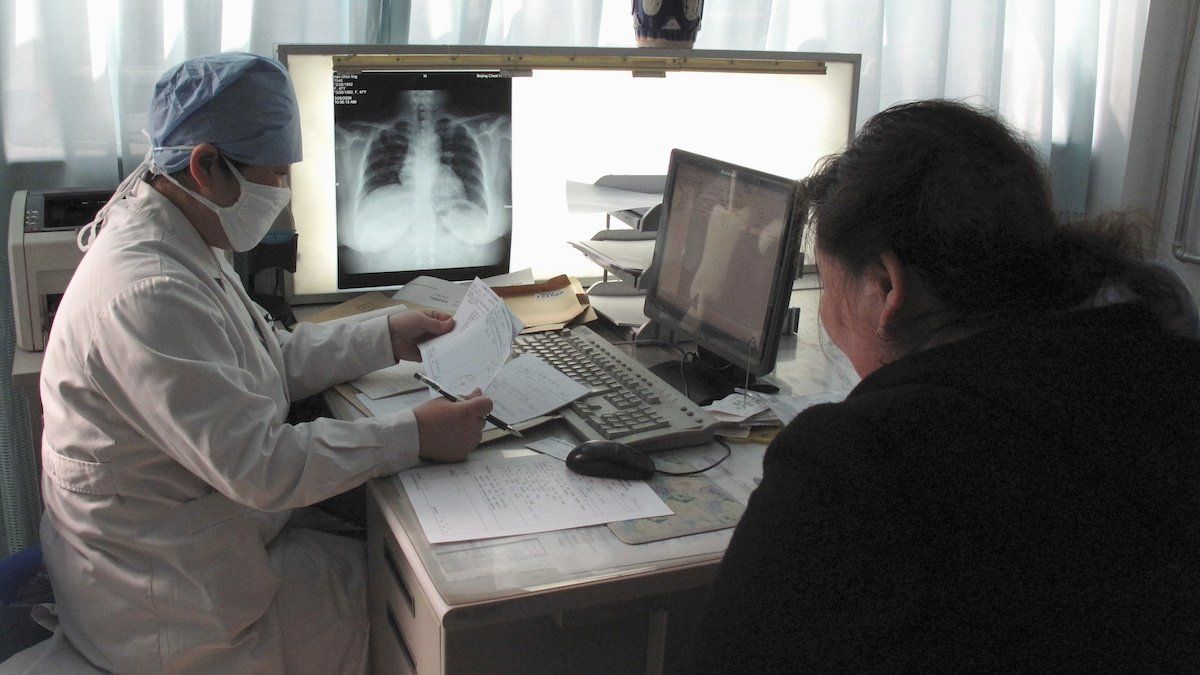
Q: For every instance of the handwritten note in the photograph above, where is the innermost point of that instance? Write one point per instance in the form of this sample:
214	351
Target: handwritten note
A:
528	387
472	354
501	496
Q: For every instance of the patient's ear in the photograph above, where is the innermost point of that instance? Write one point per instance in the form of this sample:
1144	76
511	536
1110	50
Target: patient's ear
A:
889	281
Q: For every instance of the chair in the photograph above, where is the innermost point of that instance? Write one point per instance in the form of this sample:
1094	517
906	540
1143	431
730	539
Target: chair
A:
23	584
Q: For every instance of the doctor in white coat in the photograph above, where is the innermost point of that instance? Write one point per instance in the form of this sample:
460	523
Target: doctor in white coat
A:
169	468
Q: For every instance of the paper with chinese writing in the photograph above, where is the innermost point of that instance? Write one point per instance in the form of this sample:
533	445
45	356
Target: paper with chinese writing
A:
470	356
433	293
528	387
549	305
501	497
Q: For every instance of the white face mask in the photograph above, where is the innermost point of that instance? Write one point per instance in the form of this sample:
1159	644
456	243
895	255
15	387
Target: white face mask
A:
247	221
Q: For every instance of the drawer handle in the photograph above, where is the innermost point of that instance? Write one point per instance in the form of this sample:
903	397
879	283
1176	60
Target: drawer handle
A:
391	563
412	665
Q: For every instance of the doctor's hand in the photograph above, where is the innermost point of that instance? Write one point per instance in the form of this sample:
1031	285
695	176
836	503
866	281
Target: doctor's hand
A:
449	431
409	329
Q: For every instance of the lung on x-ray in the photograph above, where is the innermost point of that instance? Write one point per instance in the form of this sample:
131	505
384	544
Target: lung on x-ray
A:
423	164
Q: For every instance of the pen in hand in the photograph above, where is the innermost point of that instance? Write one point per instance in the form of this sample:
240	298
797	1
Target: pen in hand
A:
458	399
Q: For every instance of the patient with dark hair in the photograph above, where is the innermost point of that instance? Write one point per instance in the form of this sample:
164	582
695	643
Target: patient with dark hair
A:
1015	483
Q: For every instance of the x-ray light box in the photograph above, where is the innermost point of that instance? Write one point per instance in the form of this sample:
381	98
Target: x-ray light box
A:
454	161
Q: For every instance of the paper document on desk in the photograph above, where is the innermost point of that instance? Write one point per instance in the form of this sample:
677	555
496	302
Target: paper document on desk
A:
504	496
787	407
361	308
552	446
378	407
390	381
393	404
736	407
525	388
470	356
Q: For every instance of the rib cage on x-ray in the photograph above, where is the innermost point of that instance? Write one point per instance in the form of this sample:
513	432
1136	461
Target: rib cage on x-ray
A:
429	189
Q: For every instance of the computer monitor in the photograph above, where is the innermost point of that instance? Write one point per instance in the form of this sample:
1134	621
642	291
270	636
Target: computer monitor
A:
724	262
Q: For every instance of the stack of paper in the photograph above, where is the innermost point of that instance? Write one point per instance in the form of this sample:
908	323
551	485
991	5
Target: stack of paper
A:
632	256
592	198
739	413
743	411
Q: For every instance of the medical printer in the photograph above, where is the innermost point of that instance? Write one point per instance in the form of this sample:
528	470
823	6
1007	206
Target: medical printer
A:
42	254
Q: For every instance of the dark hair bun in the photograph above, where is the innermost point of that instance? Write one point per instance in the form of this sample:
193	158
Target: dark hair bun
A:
964	203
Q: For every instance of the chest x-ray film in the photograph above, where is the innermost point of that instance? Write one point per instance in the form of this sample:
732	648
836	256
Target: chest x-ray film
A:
423	169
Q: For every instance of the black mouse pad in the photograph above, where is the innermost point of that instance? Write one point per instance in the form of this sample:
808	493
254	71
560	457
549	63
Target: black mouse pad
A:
700	505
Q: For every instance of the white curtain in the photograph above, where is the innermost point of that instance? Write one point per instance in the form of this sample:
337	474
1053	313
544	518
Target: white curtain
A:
76	74
1062	71
1162	175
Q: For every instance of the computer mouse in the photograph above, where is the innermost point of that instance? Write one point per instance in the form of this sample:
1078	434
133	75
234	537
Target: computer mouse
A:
610	459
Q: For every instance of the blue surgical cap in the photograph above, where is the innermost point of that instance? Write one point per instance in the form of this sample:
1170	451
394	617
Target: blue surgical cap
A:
242	103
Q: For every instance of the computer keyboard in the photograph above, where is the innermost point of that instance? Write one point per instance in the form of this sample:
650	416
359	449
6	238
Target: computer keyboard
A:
627	402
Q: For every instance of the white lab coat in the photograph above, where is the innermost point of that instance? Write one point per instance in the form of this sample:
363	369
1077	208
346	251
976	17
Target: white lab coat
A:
170	472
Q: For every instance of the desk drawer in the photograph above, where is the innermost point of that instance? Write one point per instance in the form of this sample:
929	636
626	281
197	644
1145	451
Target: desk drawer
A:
405	631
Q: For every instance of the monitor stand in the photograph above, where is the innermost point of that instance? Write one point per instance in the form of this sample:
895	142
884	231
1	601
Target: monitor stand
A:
708	377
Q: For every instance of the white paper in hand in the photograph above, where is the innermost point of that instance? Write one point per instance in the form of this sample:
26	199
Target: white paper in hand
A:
471	355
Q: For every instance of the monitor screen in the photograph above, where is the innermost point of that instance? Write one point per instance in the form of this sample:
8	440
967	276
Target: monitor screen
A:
423	175
725	258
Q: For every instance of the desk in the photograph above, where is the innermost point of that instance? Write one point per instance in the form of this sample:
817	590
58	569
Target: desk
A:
566	601
573	600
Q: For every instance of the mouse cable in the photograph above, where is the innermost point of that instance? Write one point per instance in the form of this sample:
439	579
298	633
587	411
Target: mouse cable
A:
718	439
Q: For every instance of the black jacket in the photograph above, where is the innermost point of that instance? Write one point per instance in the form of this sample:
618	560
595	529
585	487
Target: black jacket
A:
1027	498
